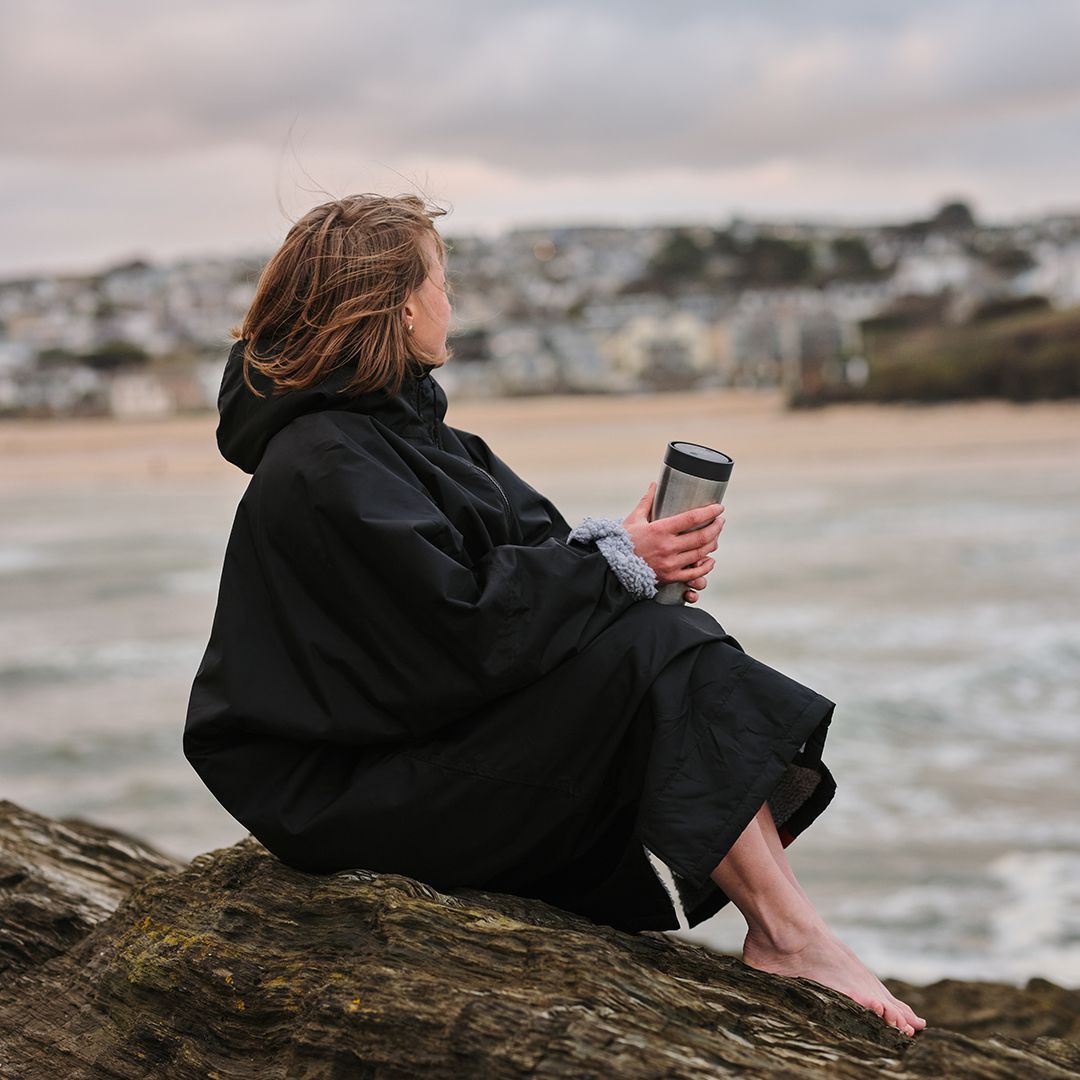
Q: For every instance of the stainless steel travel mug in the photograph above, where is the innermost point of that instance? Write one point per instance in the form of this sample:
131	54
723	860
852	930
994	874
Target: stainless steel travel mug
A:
692	475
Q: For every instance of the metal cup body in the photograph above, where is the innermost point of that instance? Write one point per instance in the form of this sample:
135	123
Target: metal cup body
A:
675	492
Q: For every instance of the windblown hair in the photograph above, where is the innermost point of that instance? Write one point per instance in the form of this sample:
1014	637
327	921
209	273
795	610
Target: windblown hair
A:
333	295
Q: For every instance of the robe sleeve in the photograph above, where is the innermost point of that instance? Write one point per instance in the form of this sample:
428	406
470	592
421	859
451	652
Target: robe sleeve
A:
426	631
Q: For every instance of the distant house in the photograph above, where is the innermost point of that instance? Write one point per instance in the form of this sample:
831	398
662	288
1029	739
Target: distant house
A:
669	352
557	309
138	395
789	338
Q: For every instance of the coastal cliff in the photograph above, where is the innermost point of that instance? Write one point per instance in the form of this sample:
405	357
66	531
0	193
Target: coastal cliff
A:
119	962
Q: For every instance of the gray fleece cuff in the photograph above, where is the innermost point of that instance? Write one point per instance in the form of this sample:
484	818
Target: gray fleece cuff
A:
614	542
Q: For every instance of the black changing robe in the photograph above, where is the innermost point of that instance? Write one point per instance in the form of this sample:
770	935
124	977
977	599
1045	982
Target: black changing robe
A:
412	670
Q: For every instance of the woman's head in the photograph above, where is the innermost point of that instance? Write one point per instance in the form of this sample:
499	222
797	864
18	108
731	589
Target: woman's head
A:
358	280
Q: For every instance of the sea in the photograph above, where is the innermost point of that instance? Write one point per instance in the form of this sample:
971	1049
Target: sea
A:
935	600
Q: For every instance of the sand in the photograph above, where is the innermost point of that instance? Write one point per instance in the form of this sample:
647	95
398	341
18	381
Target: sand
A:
619	438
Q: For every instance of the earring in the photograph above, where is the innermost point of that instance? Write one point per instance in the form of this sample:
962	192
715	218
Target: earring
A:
410	328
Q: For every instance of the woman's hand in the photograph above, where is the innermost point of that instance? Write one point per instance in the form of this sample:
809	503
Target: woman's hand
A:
677	547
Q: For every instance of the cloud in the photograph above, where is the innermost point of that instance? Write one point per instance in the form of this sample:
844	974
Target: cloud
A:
509	96
540	87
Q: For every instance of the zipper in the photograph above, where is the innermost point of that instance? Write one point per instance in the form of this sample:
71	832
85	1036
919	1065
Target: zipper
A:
508	511
498	487
420	411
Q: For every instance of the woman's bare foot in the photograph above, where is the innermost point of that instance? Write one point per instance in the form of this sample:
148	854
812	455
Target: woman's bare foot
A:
819	955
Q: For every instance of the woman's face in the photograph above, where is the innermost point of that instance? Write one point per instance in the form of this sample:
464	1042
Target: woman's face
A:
427	309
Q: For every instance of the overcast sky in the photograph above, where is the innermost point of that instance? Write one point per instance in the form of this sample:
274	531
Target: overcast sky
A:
142	129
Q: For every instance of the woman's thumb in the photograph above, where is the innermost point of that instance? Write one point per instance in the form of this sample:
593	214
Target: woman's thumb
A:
641	511
647	499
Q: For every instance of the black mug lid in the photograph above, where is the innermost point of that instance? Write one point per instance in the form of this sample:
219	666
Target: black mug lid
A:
698	460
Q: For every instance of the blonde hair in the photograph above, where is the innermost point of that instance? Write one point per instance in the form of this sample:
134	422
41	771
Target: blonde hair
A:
334	291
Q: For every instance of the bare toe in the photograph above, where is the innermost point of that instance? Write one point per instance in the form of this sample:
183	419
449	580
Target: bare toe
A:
895	1017
908	1014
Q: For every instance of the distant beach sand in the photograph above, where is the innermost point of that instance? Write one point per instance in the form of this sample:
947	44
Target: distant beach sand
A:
553	439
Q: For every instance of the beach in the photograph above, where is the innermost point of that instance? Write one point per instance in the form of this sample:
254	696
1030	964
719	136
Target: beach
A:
917	565
550	435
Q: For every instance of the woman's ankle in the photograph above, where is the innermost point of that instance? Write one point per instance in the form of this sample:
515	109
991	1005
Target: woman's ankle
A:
788	933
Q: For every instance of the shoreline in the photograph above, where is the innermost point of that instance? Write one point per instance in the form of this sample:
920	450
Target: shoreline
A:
611	435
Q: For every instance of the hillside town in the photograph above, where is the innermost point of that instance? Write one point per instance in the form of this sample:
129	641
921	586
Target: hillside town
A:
560	310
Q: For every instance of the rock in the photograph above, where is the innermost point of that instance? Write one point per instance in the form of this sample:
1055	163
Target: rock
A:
985	1009
59	879
238	966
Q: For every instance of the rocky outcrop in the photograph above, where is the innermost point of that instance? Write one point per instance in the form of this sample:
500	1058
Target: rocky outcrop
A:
59	879
237	966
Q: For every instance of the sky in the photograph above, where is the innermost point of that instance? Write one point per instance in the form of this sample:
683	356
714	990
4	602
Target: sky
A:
160	131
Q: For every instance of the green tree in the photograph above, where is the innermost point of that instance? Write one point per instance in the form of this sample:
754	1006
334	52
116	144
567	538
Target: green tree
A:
954	216
680	259
768	260
852	260
113	355
56	358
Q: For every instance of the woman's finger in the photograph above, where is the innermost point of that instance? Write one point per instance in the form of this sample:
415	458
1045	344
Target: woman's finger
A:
703	538
692	520
697	570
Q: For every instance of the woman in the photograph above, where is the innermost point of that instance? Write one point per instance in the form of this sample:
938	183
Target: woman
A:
416	666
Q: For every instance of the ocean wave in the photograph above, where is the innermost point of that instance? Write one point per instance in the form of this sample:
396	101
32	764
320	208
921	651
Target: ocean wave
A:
109	660
14	560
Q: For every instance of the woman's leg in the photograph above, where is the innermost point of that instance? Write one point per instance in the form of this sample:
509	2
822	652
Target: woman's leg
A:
785	934
768	829
767	825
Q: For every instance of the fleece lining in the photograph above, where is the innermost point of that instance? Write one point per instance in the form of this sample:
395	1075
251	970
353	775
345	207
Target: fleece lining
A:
635	574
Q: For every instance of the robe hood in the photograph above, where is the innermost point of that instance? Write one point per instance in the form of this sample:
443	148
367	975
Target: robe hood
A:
247	423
